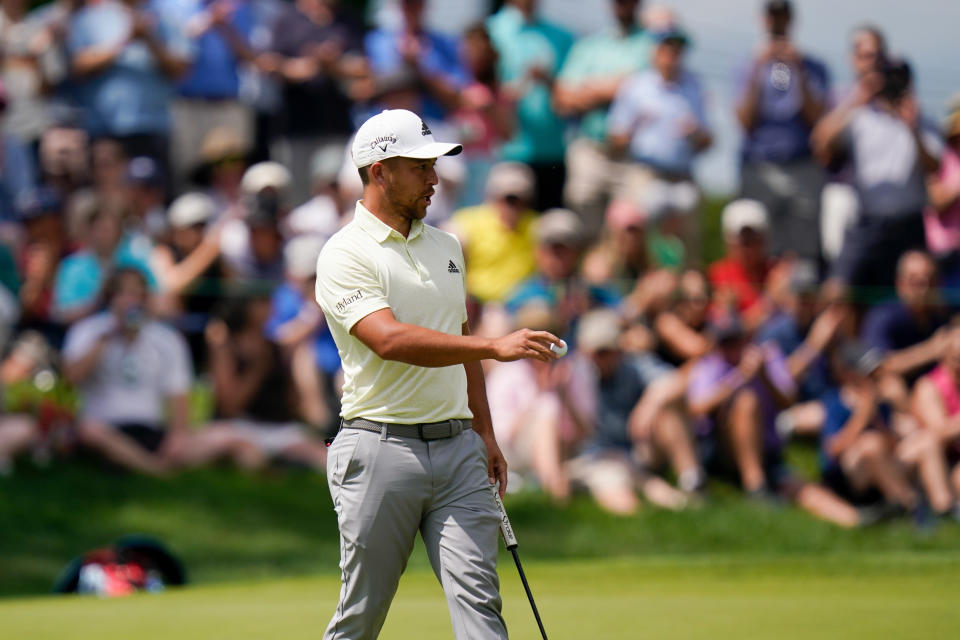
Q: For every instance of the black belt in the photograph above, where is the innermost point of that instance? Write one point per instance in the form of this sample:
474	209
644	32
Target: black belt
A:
423	431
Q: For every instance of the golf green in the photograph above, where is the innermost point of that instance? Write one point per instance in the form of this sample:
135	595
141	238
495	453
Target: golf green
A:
908	595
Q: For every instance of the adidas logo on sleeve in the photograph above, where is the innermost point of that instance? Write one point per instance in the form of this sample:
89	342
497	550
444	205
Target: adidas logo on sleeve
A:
452	268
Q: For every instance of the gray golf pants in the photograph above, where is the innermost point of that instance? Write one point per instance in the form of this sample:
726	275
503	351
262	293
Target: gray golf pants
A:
384	490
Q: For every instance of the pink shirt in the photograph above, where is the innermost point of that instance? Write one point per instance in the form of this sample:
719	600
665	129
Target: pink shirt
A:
943	229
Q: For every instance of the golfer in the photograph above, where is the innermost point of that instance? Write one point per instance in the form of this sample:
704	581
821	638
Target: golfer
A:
416	450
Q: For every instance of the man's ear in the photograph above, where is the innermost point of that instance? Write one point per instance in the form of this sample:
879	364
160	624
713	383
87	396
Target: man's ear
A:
376	173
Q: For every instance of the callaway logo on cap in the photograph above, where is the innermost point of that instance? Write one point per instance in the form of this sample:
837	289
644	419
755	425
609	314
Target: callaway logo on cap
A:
397	133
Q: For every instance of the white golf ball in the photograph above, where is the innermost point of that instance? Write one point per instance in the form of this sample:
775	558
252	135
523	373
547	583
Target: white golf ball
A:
560	350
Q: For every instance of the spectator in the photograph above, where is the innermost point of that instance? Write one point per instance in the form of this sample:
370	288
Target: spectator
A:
541	410
734	394
499	236
64	157
314	47
782	96
81	276
738	279
590	78
942	215
125	59
658	118
133	375
253	388
892	148
108	173
222	162
298	326
208	94
859	449
430	58
146	198
45	245
681	330
909	330
936	404
325	212
485	115
636	419
532	52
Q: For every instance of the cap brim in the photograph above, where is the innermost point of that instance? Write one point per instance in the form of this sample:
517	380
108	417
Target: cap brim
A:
434	150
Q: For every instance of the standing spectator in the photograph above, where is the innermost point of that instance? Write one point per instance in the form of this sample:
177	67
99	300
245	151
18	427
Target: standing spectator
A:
658	118
485	116
499	236
942	215
532	52
133	375
734	394
782	96
430	58
208	95
590	78
125	59
17	171
314	47
892	149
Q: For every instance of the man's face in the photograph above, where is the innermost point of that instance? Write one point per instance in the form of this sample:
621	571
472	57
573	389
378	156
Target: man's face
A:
129	296
915	281
625	10
408	185
752	244
557	260
731	350
606	360
778	23
668	58
865	54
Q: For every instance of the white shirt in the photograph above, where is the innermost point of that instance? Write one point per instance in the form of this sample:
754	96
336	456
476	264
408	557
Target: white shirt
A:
133	380
368	266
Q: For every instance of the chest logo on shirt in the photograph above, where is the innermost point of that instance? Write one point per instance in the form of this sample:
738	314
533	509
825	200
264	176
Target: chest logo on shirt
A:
348	300
452	268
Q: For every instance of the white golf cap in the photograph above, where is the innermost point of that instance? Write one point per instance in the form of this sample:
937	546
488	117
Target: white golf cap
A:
744	214
266	175
190	209
397	133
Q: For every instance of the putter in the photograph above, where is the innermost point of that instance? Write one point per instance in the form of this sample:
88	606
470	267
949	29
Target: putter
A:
510	541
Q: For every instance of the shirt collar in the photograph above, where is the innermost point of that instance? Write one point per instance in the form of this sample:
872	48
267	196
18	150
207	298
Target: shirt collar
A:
380	230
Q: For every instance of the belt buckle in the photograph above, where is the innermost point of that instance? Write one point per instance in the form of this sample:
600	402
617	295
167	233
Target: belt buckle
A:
438	431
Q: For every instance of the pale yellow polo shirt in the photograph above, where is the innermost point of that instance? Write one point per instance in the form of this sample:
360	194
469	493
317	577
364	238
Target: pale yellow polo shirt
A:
367	266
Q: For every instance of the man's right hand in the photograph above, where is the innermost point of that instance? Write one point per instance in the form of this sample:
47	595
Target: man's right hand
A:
525	343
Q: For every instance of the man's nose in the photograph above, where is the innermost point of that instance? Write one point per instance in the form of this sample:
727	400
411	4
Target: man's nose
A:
432	177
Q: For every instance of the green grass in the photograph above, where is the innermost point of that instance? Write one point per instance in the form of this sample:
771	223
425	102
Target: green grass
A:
910	595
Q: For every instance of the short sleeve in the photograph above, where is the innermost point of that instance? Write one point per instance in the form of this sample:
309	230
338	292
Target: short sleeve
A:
463	276
348	287
179	367
81	337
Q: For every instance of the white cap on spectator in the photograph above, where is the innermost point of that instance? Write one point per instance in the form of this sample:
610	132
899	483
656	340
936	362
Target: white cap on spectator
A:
266	175
560	226
599	329
397	133
744	214
190	209
300	255
510	179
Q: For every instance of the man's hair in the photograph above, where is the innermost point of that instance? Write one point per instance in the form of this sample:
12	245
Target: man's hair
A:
364	175
873	31
113	283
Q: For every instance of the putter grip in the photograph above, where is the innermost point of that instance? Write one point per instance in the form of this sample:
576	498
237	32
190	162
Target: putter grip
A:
509	539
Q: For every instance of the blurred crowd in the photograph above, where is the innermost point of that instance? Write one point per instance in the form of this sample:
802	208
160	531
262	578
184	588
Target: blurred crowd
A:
170	169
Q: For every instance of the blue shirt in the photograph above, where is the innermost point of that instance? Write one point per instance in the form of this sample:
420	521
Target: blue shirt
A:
655	114
438	57
286	304
17	175
214	72
781	134
132	95
80	277
838	413
539	135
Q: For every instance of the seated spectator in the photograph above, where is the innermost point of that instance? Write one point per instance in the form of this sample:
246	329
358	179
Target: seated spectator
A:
681	330
221	163
738	279
637	423
942	216
45	245
108	172
146	200
499	236
532	52
592	74
253	388
560	236
133	375
541	410
782	95
734	394
909	330
298	326
81	276
485	117
892	149
125	57
658	118
859	450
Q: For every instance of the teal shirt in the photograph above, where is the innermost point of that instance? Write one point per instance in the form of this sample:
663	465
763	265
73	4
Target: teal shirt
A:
602	56
539	135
